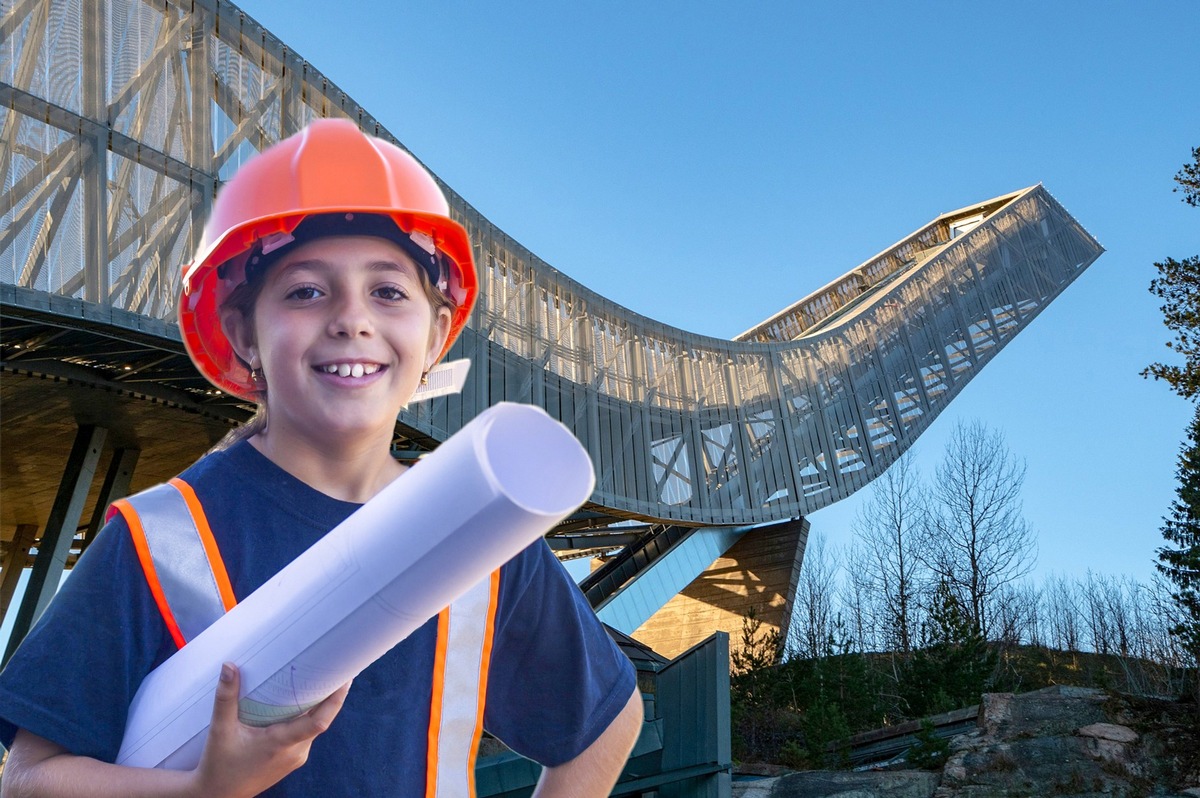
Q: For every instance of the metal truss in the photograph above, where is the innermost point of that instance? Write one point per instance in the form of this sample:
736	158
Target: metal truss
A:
119	120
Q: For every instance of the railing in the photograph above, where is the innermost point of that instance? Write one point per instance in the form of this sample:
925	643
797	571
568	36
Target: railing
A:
607	580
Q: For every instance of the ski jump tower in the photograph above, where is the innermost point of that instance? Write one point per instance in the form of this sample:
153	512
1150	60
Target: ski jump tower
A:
120	119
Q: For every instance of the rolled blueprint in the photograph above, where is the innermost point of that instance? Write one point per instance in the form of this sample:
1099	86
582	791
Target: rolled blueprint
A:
485	494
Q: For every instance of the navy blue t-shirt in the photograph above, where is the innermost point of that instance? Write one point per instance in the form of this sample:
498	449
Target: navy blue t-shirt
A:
555	682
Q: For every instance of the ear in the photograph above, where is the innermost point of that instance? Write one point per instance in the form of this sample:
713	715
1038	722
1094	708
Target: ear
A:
439	330
240	332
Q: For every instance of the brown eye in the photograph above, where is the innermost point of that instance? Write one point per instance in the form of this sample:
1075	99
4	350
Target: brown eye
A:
304	292
391	293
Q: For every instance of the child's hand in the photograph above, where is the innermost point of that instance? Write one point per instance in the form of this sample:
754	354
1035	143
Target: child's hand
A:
241	760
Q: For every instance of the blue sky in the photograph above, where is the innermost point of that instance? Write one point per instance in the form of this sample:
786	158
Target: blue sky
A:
707	164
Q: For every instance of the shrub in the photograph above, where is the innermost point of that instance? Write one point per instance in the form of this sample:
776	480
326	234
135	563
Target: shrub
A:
930	752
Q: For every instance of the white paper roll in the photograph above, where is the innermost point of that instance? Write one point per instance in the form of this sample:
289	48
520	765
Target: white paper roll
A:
484	495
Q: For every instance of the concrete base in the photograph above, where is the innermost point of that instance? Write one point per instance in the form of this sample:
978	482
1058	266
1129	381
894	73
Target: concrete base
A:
760	571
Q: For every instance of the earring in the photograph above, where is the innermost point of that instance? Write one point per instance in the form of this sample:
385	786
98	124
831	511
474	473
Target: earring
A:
256	375
425	378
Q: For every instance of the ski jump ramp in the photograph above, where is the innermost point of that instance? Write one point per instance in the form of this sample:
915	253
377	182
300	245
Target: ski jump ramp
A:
120	119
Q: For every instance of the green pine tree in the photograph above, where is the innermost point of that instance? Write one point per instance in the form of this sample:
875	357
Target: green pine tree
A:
760	648
759	707
1178	286
1179	561
954	665
929	752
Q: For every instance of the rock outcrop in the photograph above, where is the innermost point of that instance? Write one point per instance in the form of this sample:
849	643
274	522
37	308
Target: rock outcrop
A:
1056	741
1060	741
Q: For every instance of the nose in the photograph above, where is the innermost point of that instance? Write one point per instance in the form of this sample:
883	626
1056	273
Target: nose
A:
350	318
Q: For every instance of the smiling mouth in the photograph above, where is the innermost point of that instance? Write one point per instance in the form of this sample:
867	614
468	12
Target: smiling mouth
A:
349	369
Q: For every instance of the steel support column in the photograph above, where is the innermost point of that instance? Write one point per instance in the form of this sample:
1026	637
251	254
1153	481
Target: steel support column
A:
14	563
200	151
116	486
51	559
95	166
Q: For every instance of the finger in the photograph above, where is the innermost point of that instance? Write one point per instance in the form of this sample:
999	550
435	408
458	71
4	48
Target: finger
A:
314	721
225	705
324	713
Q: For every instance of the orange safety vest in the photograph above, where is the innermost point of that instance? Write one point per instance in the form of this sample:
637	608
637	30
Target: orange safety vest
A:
172	536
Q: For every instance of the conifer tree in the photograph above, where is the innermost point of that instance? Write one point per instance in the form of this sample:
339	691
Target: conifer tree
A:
1178	284
954	665
1179	561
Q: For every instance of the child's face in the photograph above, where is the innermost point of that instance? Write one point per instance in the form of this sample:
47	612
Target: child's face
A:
343	331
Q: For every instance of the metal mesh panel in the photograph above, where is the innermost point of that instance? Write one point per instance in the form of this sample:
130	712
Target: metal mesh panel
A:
151	220
44	224
142	51
12	46
246	105
133	29
59	66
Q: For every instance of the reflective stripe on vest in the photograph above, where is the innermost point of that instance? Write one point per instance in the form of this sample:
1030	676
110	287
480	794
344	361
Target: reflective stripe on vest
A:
464	652
172	538
173	543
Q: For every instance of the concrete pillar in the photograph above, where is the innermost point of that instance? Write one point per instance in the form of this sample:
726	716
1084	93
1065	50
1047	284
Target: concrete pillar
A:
761	571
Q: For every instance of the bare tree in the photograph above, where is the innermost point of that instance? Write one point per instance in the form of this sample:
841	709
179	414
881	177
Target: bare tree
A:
1014	614
980	541
1165	615
813	615
1100	599
888	528
1030	598
859	603
1061	608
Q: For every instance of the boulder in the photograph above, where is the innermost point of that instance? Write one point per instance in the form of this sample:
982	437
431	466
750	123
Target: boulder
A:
1109	731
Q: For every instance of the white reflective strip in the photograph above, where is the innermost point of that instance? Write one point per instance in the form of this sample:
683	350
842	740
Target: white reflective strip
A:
460	690
180	561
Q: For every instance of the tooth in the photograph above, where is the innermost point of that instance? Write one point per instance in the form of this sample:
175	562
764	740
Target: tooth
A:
371	369
331	369
344	370
357	370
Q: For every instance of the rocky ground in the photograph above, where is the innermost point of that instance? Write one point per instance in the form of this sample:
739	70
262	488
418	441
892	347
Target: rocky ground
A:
1061	741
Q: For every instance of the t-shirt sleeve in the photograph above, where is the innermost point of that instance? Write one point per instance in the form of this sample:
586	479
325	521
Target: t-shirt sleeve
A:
73	676
556	678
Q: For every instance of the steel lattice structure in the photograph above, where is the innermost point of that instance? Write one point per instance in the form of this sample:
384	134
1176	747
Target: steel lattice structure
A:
119	119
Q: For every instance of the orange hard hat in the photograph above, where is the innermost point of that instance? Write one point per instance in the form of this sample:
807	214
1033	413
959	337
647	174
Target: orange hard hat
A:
330	167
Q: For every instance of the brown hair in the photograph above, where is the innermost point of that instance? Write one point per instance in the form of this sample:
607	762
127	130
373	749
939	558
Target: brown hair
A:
243	299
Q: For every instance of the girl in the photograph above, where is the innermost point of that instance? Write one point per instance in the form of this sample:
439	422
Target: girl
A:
330	282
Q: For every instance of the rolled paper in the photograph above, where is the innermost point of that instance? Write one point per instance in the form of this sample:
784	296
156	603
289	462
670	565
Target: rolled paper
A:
489	491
